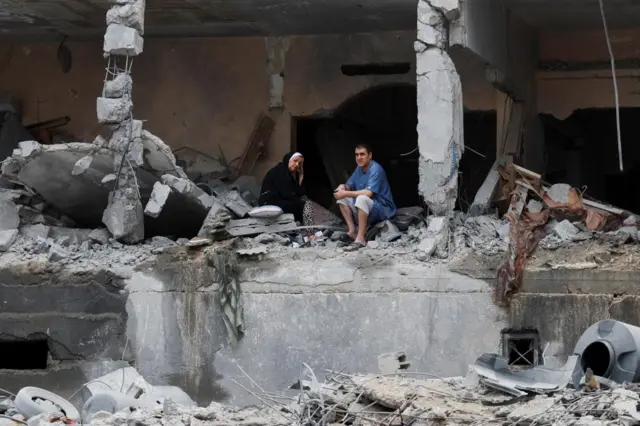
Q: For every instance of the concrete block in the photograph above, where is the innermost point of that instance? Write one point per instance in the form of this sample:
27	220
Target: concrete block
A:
559	193
534	206
130	14
7	238
124	217
113	111
100	236
119	87
9	215
122	40
57	253
158	198
565	230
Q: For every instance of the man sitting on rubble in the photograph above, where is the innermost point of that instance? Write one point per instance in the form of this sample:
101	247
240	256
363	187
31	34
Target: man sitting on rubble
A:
366	197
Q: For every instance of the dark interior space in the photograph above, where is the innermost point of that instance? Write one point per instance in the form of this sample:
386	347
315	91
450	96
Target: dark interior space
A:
383	117
24	354
583	152
597	357
521	352
480	153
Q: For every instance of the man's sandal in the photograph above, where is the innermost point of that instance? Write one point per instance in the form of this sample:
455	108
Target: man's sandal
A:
354	246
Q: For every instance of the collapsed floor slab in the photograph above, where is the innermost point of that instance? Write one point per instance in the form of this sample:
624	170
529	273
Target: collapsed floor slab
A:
47	169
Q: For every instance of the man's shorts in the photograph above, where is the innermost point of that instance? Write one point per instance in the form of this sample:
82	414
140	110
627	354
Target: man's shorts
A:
371	207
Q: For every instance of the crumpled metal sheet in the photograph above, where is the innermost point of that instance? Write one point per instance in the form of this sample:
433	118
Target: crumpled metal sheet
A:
494	372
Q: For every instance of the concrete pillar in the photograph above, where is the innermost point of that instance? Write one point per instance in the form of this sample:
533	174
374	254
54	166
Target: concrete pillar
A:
440	106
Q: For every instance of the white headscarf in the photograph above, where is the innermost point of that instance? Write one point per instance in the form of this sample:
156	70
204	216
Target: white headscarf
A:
295	154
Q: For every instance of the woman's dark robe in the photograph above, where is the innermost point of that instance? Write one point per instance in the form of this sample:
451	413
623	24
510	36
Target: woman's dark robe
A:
280	188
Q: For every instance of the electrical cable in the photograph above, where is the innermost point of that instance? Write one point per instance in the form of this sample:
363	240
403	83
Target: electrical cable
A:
615	82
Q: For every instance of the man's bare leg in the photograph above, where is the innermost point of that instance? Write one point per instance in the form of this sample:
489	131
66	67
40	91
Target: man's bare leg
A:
362	226
348	217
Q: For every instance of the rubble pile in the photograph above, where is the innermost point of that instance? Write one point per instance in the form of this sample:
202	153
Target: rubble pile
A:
398	398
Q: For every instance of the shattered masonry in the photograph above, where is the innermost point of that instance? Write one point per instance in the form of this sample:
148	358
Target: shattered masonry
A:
124	215
440	107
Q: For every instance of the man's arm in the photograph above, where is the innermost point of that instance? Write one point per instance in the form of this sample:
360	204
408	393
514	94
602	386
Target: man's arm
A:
354	194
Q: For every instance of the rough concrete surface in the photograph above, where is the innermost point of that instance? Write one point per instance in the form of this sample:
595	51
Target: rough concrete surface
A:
440	108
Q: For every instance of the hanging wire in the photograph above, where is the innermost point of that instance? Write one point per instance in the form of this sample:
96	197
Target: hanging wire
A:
615	82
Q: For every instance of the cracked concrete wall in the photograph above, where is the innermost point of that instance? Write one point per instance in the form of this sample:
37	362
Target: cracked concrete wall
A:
342	313
189	97
440	106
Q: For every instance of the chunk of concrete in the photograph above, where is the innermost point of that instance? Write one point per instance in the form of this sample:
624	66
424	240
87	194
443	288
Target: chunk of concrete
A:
216	218
159	156
565	230
35	231
7	238
534	206
110	178
189	189
559	193
82	165
124	216
57	253
428	245
122	40
158	198
129	14
120	86
113	111
9	215
100	236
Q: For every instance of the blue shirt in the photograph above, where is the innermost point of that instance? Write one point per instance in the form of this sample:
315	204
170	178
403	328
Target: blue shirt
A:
375	180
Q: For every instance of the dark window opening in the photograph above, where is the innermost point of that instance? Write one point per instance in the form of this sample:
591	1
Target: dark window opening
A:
394	68
582	151
24	354
479	155
383	117
597	356
521	348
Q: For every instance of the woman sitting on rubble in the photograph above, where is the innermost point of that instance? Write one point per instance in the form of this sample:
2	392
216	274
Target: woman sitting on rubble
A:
282	187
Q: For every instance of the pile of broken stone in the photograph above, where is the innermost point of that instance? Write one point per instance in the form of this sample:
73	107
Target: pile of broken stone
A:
395	396
566	216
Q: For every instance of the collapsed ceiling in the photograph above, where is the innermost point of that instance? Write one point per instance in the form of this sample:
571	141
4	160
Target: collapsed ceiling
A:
51	18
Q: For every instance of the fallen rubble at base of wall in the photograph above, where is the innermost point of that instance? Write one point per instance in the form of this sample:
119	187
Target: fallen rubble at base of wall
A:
394	398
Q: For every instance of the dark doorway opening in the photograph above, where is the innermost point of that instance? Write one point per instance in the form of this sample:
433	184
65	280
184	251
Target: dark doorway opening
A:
24	354
582	151
383	117
480	133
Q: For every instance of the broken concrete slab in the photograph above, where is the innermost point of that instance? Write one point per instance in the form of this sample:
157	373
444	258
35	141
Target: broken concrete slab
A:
189	190
9	215
236	204
484	197
129	14
113	111
7	238
159	156
247	227
158	199
122	40
216	218
120	86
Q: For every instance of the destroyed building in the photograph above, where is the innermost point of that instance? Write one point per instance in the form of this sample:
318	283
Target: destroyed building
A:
449	94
